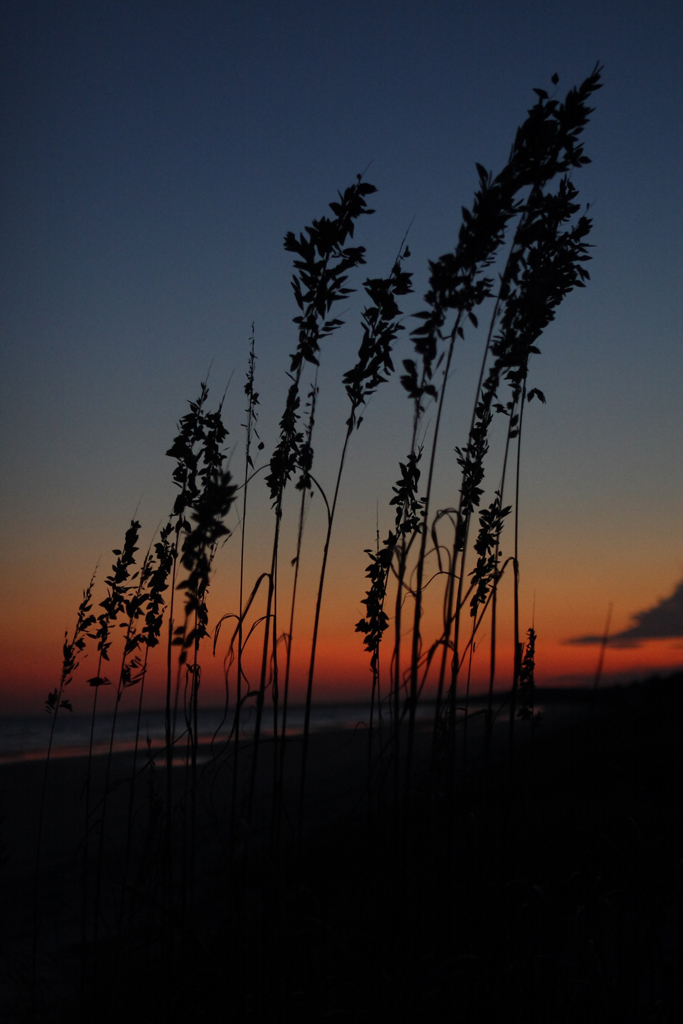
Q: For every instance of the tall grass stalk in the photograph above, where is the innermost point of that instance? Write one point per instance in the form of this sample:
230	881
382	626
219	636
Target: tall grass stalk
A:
209	505
250	433
115	603
190	432
381	327
305	486
544	265
185	476
521	248
154	579
322	267
601	656
56	701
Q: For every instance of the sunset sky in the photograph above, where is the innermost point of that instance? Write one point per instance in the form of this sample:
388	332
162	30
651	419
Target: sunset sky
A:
153	156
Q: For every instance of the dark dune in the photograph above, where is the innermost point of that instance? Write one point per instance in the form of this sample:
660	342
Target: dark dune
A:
546	891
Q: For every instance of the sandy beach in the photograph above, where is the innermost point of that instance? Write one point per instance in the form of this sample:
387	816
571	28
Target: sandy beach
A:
551	770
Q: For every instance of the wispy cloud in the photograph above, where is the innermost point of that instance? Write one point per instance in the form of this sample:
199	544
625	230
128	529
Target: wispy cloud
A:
663	621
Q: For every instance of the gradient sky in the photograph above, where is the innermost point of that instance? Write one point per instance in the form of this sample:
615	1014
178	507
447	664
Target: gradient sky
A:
153	156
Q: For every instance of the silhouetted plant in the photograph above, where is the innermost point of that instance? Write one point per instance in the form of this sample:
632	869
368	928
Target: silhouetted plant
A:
543	265
71	654
520	249
322	268
526	679
250	433
119	585
381	327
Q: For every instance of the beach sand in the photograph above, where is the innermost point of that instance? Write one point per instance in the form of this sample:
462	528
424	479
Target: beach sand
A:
604	768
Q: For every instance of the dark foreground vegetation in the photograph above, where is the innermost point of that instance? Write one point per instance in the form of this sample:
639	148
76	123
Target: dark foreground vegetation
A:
542	888
550	890
404	872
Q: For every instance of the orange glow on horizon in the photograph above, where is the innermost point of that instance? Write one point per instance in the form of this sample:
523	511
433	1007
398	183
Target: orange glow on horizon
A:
556	594
342	672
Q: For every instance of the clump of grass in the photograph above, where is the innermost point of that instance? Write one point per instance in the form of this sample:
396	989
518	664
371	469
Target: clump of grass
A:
323	262
56	701
521	249
119	583
544	262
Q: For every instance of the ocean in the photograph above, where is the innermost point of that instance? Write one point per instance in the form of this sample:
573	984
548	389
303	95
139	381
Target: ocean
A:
26	737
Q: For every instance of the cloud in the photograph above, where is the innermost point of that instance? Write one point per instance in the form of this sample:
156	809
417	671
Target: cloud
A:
663	622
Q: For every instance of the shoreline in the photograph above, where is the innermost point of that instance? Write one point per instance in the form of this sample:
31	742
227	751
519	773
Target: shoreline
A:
585	764
331	716
336	785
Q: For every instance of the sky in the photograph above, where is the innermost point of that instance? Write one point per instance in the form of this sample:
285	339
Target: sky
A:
153	156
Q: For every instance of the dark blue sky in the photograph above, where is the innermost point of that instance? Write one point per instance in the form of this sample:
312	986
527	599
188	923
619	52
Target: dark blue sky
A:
153	156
